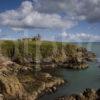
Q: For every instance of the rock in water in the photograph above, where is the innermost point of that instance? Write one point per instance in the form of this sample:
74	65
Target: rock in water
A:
88	94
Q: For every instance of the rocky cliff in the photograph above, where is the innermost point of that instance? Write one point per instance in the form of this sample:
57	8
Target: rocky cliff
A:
19	83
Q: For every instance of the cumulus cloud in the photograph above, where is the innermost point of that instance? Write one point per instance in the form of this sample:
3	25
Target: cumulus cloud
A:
78	9
78	37
51	14
26	16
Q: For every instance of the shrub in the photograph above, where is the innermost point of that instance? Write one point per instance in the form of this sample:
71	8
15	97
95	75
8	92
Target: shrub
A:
8	49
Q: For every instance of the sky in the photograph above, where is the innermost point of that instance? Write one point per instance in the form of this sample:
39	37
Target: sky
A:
54	20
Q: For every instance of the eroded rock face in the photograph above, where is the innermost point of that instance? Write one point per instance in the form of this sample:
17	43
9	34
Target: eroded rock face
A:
78	59
10	86
24	85
88	94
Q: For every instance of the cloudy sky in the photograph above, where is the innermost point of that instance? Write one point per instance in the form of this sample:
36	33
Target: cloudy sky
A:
59	20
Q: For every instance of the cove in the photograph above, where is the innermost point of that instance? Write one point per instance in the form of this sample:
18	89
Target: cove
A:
79	80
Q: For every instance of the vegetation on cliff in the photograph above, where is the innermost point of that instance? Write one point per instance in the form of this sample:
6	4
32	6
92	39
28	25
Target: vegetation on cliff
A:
19	80
46	53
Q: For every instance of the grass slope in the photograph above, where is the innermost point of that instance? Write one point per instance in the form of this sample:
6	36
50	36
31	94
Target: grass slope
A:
23	51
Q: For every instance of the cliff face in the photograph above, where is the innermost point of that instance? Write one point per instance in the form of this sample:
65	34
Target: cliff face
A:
9	83
11	87
18	82
74	57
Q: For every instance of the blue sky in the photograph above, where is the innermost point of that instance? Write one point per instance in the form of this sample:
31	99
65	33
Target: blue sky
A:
54	20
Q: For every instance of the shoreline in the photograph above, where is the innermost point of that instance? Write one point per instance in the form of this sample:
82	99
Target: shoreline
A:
20	82
43	82
24	85
88	94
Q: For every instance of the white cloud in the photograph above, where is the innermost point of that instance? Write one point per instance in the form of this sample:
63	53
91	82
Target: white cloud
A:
17	29
26	17
64	34
88	10
44	14
78	37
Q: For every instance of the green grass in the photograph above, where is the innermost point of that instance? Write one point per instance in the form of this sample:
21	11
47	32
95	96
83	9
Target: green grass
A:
22	51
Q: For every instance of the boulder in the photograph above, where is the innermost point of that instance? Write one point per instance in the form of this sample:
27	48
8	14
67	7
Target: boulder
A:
1	97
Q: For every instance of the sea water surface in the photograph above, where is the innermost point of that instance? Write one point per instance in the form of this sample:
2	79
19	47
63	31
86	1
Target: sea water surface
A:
79	80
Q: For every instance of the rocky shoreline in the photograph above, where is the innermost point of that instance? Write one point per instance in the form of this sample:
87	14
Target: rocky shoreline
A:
17	82
88	94
20	82
78	61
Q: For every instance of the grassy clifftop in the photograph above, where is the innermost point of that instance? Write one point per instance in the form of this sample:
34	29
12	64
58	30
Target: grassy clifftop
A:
25	52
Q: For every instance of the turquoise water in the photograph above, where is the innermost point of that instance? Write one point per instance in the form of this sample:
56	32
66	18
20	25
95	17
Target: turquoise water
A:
79	80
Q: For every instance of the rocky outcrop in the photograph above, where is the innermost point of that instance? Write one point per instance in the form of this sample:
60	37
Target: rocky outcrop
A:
72	57
5	61
11	87
18	82
78	59
88	94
